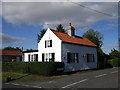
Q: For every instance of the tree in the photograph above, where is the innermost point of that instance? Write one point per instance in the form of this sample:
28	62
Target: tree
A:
8	48
42	32
114	53
29	50
12	48
95	36
60	28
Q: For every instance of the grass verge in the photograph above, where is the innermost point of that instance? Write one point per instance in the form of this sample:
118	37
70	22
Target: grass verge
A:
20	77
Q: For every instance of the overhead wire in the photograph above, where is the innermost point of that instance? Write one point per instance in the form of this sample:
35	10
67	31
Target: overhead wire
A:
93	9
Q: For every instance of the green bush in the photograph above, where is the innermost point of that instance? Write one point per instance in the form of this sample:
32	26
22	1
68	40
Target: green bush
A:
44	68
14	67
40	68
115	62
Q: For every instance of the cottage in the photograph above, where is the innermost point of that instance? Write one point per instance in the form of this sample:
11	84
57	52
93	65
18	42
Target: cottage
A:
77	53
11	55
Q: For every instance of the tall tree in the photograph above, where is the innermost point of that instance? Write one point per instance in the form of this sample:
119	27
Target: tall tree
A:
39	36
95	36
60	28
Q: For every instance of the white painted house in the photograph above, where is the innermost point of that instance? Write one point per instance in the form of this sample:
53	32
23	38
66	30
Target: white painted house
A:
77	53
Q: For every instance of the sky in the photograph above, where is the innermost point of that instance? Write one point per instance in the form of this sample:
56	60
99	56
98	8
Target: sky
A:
22	21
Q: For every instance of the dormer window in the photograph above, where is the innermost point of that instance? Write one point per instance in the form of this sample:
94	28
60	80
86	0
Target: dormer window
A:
48	43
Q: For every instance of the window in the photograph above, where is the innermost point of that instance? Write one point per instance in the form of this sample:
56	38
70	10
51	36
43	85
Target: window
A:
48	57
72	58
48	43
35	57
43	55
29	57
90	57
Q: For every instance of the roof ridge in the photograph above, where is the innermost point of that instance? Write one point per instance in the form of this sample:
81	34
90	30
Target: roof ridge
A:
58	32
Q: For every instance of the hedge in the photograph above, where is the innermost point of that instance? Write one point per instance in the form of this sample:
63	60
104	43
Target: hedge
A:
39	68
115	62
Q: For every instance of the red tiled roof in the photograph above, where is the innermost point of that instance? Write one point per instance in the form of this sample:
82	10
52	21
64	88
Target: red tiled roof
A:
75	40
10	52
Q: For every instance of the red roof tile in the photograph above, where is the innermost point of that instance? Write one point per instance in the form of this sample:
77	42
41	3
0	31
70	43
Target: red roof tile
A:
10	52
75	40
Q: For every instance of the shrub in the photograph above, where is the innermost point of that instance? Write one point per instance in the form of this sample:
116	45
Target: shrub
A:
115	62
40	68
14	67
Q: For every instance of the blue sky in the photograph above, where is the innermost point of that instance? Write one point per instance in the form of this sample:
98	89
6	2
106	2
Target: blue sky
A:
21	25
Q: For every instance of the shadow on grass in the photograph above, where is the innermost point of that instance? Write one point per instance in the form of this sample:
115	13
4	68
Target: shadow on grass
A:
9	79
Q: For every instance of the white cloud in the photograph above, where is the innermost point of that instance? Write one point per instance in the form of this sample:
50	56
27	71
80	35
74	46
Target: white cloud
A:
60	0
57	13
0	9
5	39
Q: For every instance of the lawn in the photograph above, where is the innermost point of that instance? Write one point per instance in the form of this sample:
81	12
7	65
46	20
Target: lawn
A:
20	77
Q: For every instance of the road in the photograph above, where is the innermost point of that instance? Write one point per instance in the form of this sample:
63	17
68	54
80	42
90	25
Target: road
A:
107	78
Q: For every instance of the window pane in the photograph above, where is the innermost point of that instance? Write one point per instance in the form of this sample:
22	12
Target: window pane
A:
29	57
50	55
35	57
87	57
53	56
43	57
45	44
73	57
50	43
68	57
46	57
77	58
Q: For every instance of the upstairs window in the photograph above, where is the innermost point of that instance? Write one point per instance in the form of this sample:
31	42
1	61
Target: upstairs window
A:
72	58
90	58
48	43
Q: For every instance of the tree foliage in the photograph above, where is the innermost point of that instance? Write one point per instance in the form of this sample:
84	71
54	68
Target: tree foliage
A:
12	48
39	36
60	28
29	50
114	53
95	36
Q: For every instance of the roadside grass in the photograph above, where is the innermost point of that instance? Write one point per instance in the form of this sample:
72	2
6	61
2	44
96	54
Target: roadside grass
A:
20	77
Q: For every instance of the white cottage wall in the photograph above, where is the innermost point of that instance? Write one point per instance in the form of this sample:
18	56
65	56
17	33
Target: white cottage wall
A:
82	50
26	55
56	46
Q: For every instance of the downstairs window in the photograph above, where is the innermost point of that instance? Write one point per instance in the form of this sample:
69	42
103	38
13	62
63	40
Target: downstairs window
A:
72	57
90	58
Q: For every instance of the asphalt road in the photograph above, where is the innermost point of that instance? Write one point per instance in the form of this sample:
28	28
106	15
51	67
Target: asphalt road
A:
107	78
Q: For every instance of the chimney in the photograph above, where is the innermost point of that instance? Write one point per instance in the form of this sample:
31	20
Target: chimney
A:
71	30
